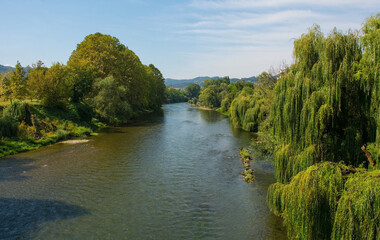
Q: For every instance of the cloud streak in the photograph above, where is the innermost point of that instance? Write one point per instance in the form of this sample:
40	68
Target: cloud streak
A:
229	32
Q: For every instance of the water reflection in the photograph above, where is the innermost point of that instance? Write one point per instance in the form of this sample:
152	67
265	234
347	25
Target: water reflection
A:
210	116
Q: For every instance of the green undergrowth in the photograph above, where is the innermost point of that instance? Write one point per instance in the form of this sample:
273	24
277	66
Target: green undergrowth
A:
329	200
49	126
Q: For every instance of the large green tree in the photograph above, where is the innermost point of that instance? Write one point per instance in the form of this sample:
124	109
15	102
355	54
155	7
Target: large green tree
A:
101	56
193	91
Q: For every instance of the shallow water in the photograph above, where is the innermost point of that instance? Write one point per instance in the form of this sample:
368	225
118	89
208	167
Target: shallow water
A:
170	176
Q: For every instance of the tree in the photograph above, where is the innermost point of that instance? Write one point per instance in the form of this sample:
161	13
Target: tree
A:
16	86
82	75
209	97
102	56
175	95
266	80
36	79
157	88
193	91
100	50
318	104
5	89
108	101
325	108
55	87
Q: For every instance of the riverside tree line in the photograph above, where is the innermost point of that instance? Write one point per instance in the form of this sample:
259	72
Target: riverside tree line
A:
320	120
103	81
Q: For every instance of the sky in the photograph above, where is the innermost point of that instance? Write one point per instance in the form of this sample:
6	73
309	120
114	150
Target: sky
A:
182	38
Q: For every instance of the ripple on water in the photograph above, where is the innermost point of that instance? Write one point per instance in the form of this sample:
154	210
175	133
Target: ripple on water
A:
171	177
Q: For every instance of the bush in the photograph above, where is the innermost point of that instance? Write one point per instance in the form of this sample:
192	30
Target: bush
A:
15	111
8	127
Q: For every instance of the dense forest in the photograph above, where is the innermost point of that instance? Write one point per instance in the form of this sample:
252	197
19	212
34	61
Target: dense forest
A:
319	119
103	82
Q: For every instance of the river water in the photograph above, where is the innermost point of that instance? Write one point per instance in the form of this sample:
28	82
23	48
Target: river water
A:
171	176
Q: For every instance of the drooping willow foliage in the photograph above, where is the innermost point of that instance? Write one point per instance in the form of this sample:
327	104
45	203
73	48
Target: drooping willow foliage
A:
358	211
329	200
325	108
249	109
369	73
252	106
320	106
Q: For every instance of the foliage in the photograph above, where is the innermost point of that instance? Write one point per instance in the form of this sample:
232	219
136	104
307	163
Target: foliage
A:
103	79
8	127
316	105
209	97
217	82
81	75
358	212
15	111
5	84
329	200
102	56
252	106
109	103
175	95
158	88
308	203
326	106
14	84
51	85
192	91
36	79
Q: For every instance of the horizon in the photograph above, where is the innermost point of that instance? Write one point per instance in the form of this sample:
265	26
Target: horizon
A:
183	40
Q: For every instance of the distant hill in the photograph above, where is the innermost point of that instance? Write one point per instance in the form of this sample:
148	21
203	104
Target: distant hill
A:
4	68
183	83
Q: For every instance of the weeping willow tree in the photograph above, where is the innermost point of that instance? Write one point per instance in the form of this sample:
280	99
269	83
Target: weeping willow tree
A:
325	112
329	200
308	204
358	210
252	106
369	74
318	105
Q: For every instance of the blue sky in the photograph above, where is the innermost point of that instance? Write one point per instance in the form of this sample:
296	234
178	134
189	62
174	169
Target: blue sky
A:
183	38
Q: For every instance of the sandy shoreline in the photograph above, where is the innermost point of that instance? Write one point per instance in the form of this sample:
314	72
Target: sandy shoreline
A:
75	141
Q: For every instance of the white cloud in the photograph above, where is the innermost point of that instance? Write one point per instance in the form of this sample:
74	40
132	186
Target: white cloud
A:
241	38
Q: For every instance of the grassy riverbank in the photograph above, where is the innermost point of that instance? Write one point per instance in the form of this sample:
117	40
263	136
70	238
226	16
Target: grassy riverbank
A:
50	125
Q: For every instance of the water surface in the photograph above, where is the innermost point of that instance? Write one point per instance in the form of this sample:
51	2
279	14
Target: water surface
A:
170	176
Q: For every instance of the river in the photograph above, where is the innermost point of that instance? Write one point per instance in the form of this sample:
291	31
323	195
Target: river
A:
170	176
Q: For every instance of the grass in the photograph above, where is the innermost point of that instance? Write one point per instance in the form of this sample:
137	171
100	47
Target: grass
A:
31	102
55	125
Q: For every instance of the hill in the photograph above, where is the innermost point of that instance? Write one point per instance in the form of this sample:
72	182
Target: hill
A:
4	68
183	83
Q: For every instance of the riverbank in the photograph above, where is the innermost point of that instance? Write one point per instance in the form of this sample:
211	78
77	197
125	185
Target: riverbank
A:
72	124
41	126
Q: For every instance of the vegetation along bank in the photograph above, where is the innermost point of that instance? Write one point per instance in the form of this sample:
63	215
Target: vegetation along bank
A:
319	120
102	83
